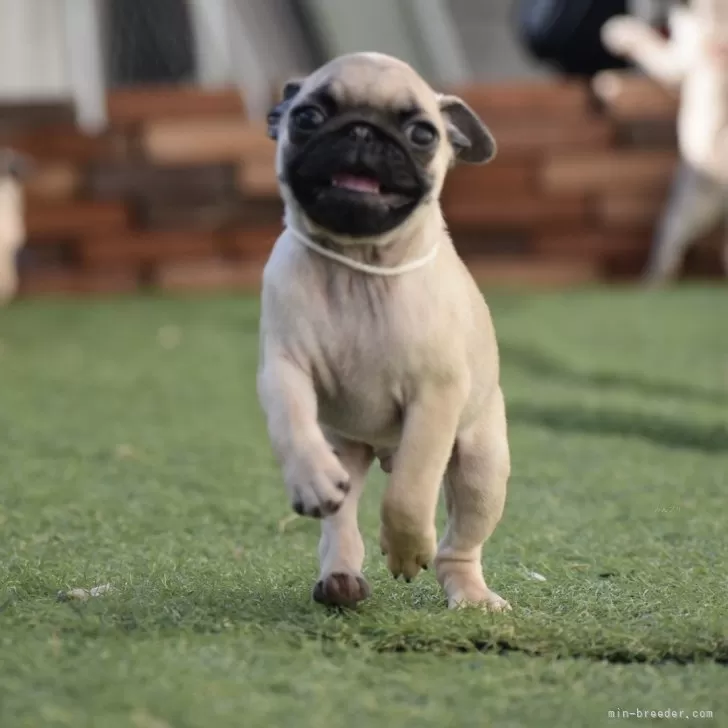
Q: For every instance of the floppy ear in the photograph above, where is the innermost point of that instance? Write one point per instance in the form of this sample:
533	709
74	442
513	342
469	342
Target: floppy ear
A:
470	137
290	90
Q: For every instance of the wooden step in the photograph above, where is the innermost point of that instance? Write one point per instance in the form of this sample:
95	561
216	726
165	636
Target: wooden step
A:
506	174
530	133
74	283
532	273
522	212
648	135
138	179
588	244
54	182
44	256
212	214
559	99
257	180
69	145
477	242
639	211
632	171
262	211
143	247
20	116
215	140
136	105
212	275
69	219
634	97
253	243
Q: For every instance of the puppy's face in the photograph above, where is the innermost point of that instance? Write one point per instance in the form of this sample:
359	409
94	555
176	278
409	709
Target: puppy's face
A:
364	142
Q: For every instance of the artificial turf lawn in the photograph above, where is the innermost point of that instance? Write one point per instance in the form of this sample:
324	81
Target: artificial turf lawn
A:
134	453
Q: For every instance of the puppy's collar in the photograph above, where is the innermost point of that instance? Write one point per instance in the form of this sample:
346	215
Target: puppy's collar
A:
374	270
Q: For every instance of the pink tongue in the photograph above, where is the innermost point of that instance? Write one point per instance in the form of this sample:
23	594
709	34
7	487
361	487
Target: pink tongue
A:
358	184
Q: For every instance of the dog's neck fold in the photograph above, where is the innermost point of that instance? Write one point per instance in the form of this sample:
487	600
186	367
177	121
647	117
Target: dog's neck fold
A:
409	248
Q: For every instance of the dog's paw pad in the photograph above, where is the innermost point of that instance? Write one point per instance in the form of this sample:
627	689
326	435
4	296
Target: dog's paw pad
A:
317	484
341	590
331	507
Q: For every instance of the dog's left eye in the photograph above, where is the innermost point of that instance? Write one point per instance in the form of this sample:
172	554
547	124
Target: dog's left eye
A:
421	134
308	118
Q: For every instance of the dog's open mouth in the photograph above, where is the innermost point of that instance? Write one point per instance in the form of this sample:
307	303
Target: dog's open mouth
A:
356	183
367	189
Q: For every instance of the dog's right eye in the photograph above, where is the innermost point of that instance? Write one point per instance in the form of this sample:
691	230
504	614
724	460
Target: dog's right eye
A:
422	134
308	118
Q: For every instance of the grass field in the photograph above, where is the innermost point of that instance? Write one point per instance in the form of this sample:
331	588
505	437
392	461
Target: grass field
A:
132	452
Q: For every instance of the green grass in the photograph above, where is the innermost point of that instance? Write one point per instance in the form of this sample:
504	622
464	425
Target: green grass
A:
128	459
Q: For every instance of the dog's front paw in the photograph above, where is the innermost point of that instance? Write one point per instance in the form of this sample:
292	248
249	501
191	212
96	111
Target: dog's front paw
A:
407	552
317	483
622	34
341	589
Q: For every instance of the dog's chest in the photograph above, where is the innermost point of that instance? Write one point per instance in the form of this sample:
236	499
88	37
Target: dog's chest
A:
363	367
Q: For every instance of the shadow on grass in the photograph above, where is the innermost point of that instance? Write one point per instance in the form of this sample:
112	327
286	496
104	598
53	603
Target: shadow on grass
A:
539	364
660	430
292	618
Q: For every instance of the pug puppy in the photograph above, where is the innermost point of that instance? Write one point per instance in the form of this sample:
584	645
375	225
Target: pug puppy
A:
13	169
375	339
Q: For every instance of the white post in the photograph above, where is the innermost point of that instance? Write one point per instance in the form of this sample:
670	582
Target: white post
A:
249	72
210	27
439	37
226	46
86	68
32	57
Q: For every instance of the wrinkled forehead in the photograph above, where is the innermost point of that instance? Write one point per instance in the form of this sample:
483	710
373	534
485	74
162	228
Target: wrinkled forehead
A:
369	79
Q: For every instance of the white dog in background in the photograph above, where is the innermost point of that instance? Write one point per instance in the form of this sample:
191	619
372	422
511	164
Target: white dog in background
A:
694	60
13	168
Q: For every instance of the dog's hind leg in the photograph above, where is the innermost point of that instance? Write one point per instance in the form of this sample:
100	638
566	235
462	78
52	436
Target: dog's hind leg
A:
695	206
341	548
475	493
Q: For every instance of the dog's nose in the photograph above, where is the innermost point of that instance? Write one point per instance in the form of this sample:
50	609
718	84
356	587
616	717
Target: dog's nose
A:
362	132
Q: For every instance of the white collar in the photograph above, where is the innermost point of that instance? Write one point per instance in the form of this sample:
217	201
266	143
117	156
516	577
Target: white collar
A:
365	267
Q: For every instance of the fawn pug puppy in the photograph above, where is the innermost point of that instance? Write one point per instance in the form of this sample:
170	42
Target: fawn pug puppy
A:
375	339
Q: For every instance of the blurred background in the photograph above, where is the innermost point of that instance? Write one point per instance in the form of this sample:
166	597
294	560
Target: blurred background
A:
144	124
